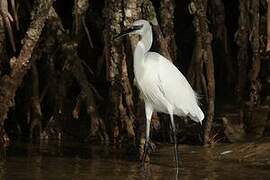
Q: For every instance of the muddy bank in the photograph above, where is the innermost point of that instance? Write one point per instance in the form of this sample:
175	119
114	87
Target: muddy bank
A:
249	154
253	154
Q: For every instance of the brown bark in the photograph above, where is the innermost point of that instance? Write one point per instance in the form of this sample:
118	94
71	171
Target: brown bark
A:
74	65
113	56
79	10
77	108
252	121
57	79
120	13
195	74
79	24
14	13
132	12
19	66
167	25
222	50
218	13
149	13
255	113
256	61
3	58
4	139
35	123
204	55
53	129
6	19
268	27
242	37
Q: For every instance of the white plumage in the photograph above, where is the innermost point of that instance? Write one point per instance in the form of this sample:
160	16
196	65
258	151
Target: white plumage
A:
163	86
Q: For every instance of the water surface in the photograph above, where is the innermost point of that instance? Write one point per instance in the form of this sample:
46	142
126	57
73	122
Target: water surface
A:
58	161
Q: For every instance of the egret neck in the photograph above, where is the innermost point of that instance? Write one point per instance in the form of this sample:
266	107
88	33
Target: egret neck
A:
141	49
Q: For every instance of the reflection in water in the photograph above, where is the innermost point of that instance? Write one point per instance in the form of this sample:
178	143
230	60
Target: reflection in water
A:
152	172
2	169
82	161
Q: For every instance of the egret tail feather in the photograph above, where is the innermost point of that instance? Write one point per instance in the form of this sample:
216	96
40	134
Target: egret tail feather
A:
197	115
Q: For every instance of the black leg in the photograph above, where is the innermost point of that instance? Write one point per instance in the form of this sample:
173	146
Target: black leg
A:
145	152
148	112
176	152
175	141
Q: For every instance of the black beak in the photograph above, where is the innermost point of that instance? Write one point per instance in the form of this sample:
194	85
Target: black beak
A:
128	31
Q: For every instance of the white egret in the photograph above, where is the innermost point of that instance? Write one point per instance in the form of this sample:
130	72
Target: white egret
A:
163	86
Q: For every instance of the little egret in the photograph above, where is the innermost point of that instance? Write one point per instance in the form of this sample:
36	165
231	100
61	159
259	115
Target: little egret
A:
163	86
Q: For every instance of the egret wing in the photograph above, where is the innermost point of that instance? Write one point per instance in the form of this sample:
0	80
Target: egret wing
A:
176	88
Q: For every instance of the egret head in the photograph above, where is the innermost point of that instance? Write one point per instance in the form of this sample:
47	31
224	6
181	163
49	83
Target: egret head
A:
139	27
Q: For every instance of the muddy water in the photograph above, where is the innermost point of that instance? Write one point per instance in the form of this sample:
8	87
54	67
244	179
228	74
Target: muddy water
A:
79	161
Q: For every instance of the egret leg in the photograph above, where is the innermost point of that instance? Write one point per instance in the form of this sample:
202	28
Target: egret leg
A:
148	112
176	152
